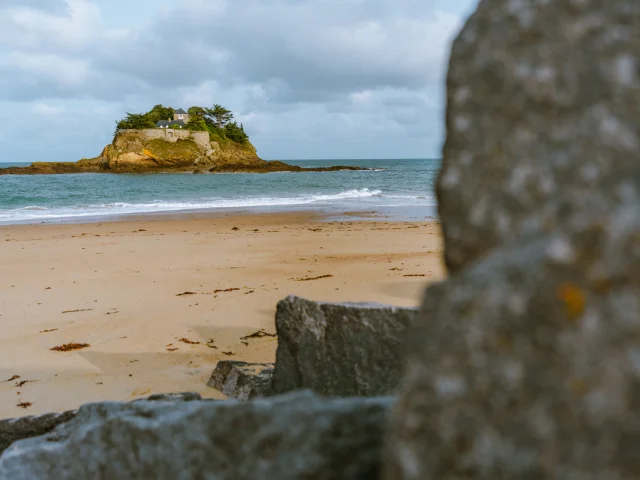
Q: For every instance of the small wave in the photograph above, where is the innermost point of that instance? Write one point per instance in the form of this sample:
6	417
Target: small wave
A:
33	208
354	197
361	193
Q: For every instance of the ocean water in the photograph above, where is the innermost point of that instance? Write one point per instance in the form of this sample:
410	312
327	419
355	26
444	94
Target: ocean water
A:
396	188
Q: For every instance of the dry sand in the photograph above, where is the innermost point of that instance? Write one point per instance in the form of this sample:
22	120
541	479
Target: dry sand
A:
115	286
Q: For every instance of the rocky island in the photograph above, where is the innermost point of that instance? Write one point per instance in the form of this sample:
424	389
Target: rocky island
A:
202	140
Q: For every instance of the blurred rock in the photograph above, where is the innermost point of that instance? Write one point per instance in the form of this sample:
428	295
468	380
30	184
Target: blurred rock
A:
14	429
542	119
527	365
297	436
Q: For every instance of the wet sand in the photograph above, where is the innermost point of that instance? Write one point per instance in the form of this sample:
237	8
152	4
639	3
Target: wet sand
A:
117	286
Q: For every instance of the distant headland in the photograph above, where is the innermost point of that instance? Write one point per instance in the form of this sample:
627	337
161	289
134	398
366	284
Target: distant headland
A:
200	140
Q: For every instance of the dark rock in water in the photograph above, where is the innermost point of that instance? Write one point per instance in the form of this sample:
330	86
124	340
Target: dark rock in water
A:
277	166
293	437
542	103
527	364
15	429
50	168
242	380
339	349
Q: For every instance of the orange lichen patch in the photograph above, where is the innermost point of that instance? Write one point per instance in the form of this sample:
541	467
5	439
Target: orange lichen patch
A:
148	153
504	342
68	347
574	300
579	386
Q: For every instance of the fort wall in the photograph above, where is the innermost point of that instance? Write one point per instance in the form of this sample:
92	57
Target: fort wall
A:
169	135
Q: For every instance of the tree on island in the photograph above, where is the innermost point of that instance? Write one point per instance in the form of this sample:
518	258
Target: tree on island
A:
236	132
220	115
159	112
135	121
217	120
197	113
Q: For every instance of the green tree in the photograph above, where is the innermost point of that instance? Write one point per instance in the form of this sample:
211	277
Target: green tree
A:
197	124
235	132
220	115
196	113
135	121
159	112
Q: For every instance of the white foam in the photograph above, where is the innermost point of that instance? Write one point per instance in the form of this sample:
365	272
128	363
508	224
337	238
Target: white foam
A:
354	198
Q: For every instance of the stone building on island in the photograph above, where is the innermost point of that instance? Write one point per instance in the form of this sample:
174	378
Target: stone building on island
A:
180	118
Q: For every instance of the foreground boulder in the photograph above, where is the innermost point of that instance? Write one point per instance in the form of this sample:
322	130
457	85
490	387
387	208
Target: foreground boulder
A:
299	436
542	104
242	380
340	349
527	365
14	429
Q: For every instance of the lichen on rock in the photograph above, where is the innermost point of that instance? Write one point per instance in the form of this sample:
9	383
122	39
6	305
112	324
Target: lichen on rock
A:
542	103
526	364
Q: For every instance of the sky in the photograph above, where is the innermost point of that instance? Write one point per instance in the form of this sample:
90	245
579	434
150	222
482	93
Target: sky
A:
309	79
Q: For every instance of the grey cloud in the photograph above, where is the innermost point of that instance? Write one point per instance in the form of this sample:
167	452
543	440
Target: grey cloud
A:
322	45
337	70
316	49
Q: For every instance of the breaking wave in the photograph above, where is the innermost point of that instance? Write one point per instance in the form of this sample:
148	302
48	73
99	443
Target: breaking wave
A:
355	198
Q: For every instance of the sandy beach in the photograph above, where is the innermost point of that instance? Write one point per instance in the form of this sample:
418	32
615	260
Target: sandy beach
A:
161	299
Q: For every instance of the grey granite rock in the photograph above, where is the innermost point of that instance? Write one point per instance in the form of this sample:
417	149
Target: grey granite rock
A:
297	436
339	349
242	380
542	103
14	429
527	364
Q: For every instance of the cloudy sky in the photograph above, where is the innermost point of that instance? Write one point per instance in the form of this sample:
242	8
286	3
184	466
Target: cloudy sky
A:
308	78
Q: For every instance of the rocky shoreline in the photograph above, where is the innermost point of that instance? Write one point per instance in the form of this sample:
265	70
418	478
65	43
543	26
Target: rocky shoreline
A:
61	168
143	151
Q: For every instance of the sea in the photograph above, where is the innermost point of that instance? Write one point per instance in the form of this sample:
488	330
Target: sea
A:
395	189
